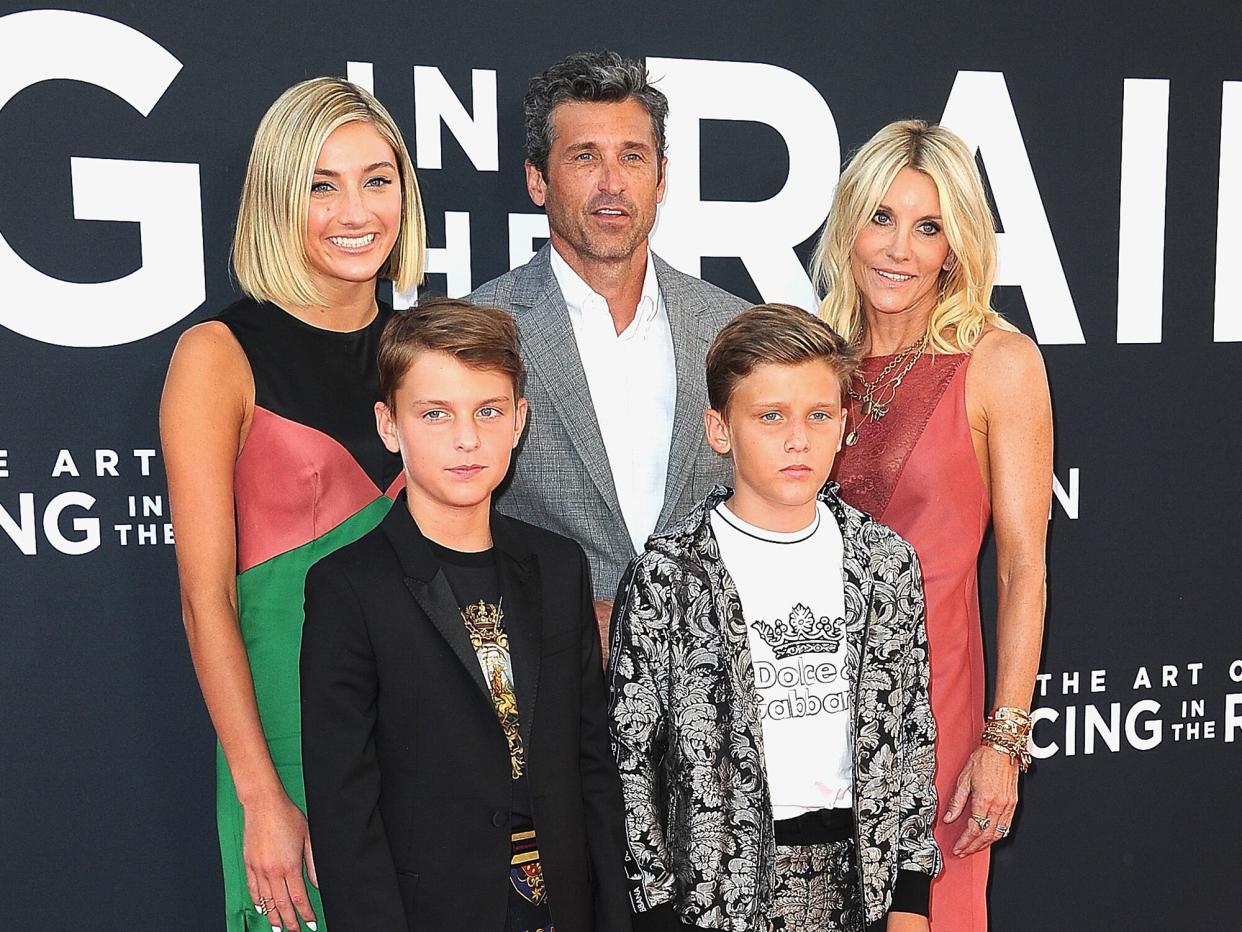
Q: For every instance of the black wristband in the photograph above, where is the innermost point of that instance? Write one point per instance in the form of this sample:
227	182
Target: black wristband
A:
911	893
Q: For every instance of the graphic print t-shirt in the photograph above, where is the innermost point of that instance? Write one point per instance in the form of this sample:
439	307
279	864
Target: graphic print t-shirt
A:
476	586
793	600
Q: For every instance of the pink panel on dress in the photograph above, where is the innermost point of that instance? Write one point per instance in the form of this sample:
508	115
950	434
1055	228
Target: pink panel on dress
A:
397	485
292	483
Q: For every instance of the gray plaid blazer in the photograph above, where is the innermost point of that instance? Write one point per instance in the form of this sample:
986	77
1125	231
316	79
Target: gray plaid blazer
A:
561	479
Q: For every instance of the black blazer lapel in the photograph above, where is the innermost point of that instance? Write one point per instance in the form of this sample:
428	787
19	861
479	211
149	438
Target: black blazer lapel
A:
437	602
429	587
522	587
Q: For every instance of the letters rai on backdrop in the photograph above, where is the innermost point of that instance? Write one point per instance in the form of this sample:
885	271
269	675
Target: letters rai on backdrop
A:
165	198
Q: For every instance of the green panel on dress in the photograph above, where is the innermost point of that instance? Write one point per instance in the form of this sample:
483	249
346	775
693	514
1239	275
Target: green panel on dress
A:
270	600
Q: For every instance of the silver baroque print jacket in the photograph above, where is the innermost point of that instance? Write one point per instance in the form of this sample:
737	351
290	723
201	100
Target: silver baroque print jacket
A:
684	714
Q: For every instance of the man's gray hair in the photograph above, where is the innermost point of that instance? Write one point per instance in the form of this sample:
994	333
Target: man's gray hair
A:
602	76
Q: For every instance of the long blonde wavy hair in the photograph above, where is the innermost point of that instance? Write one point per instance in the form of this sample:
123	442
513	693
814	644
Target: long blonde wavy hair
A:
964	309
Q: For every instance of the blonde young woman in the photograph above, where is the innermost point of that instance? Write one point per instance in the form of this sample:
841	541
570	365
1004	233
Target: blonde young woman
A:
272	456
950	428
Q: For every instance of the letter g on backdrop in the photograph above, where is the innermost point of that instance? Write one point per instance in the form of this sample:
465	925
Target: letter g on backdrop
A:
162	197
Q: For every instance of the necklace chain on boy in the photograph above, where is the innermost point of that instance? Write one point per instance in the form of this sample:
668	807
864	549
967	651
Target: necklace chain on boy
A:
877	397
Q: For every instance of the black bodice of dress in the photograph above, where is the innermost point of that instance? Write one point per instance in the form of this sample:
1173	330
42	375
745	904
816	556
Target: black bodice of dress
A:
323	379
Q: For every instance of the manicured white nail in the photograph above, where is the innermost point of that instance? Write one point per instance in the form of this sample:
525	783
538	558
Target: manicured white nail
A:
257	909
277	929
312	926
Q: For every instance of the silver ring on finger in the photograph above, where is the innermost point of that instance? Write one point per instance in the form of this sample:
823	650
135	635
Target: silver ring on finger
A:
1002	830
982	821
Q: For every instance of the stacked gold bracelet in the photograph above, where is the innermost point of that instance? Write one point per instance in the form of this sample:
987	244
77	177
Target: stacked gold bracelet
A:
1008	731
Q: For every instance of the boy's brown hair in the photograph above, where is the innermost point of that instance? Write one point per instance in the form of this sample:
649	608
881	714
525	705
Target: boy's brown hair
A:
773	333
478	336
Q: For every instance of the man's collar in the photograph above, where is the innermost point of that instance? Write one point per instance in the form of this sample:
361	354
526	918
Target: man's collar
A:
573	287
576	291
650	298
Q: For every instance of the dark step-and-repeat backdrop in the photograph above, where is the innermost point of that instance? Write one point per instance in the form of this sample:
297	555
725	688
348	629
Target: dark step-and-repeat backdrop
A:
1111	138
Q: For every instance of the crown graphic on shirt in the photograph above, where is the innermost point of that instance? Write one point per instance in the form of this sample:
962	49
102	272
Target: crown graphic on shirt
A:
483	624
801	633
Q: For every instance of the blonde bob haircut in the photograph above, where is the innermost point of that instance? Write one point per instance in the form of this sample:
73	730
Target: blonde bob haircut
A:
269	246
963	310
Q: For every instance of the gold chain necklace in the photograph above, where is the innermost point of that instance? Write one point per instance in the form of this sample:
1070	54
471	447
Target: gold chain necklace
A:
877	397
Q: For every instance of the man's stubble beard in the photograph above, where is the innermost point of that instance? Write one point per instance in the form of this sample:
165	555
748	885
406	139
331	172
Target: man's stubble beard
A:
575	230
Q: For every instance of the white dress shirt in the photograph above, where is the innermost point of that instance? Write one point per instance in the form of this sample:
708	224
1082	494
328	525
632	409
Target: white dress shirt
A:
633	383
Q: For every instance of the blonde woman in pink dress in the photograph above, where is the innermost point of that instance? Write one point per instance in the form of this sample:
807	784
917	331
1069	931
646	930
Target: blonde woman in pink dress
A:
950	429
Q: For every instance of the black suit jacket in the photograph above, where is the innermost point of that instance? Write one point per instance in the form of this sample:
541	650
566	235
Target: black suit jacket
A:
408	779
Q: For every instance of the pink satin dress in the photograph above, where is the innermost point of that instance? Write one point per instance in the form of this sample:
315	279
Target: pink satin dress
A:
916	471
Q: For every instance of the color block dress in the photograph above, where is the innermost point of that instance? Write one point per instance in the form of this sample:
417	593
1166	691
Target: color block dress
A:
312	476
916	471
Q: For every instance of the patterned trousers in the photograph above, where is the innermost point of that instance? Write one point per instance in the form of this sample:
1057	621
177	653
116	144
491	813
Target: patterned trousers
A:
817	889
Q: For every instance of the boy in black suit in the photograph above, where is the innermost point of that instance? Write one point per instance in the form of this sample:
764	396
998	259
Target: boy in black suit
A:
454	734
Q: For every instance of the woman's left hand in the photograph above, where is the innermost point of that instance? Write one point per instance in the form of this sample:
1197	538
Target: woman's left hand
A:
987	791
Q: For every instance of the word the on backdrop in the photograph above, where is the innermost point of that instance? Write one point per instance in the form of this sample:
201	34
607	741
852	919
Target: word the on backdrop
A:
116	498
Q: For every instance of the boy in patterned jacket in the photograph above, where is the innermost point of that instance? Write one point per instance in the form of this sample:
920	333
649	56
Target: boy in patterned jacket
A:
768	703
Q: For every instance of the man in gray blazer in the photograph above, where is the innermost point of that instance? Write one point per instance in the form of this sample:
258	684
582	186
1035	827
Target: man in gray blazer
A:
614	339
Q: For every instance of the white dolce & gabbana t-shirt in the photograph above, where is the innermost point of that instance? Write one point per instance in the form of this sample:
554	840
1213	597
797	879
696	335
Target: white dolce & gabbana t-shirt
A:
793	599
